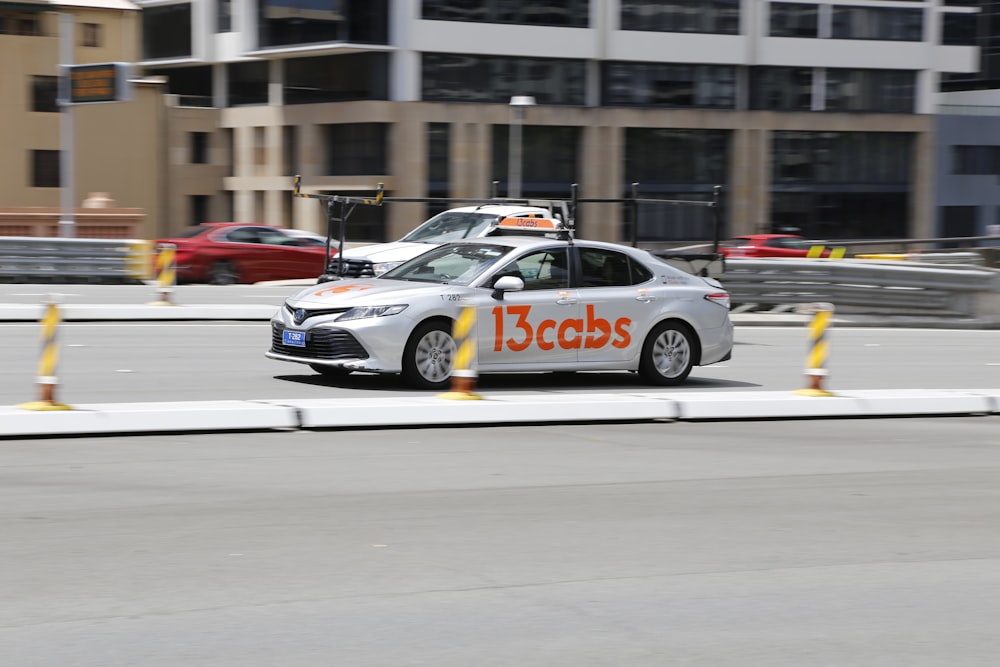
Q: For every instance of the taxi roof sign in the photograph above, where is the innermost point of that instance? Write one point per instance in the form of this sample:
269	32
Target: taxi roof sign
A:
531	224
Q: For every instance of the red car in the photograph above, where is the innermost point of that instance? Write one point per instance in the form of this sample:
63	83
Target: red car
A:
771	245
222	253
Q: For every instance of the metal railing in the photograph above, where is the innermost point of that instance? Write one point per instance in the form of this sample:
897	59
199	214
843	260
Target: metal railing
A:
866	285
32	259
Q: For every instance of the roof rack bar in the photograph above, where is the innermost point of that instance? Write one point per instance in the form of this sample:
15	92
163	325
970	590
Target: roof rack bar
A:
347	204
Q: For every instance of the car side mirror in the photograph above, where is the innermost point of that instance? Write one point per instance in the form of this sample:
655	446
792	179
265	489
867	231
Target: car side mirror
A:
507	284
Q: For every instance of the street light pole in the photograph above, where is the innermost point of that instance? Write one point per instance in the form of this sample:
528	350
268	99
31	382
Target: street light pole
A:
517	104
67	219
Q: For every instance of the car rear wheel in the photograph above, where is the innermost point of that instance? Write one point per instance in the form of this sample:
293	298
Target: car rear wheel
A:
222	272
668	354
429	356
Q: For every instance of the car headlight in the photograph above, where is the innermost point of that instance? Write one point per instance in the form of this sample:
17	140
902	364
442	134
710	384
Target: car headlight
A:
382	267
370	311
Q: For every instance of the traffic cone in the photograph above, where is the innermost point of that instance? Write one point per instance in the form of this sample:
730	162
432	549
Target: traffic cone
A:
463	374
47	380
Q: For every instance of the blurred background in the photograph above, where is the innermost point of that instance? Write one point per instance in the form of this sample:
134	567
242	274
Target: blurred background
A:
842	120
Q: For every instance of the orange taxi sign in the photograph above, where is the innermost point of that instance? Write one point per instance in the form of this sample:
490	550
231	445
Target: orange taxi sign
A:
542	224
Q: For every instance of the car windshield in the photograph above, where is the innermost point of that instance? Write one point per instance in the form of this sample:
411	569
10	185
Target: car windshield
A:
451	226
457	264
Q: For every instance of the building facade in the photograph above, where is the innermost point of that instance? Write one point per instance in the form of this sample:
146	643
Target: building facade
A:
117	147
815	114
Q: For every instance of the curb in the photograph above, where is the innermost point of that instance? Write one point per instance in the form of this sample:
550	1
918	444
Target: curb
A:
536	408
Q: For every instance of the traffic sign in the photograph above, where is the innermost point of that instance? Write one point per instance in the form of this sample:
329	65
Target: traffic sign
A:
99	82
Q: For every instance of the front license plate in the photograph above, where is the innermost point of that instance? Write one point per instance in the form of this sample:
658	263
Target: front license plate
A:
294	338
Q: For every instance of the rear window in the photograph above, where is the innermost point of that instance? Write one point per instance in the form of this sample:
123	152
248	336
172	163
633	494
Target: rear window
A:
191	232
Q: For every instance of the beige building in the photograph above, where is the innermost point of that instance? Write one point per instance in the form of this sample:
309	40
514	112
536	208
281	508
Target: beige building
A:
816	114
118	147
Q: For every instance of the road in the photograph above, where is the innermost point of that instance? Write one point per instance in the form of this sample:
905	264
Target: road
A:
771	544
786	543
170	361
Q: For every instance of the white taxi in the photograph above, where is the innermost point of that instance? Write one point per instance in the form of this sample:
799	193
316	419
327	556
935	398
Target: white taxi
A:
543	300
455	224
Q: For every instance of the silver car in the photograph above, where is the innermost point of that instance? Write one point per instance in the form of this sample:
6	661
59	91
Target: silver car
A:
541	304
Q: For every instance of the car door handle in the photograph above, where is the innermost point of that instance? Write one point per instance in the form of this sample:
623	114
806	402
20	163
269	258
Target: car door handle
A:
645	298
566	301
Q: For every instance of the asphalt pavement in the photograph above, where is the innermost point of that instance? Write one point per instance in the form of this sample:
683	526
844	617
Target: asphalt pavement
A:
48	418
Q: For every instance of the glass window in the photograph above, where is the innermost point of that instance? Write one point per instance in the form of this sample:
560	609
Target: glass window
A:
607	268
549	159
452	264
45	93
959	221
708	16
788	19
495	79
21	24
843	214
567	13
675	164
359	76
247	83
356	149
199	209
887	91
675	156
669	85
284	22
223	16
438	146
544	269
45	169
958	29
781	88
451	225
968	160
842	184
883	23
193	85
290	150
199	147
166	31
90	34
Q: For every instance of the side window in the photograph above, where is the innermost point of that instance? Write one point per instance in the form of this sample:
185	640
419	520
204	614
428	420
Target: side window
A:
606	268
244	235
640	274
545	269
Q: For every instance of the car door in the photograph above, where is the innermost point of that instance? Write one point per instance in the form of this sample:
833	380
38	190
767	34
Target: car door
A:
537	326
287	257
254	259
617	303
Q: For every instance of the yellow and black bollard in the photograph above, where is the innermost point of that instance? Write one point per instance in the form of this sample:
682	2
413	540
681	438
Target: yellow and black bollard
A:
47	380
166	273
463	374
818	348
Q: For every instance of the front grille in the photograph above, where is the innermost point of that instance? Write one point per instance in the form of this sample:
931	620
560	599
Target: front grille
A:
314	312
321	343
353	268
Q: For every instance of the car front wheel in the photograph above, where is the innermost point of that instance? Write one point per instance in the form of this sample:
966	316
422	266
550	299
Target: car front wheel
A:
429	356
667	354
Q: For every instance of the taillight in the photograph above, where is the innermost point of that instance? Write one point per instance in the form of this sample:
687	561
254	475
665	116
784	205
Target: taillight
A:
720	298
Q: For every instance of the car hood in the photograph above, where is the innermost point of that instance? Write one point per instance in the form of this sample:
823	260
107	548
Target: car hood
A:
397	251
364	291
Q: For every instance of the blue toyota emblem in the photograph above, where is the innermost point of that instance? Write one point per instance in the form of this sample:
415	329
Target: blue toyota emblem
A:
299	315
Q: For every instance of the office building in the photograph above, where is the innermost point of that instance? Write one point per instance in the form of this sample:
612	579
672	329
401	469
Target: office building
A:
815	114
